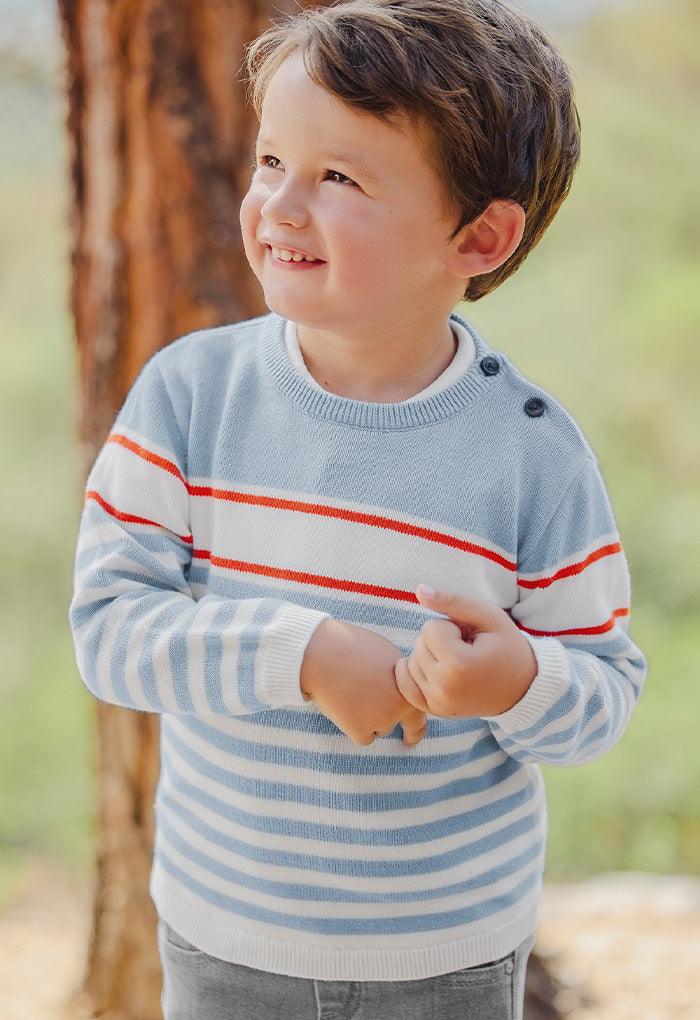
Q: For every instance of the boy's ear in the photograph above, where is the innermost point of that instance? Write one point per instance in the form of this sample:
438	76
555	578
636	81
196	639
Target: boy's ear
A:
490	239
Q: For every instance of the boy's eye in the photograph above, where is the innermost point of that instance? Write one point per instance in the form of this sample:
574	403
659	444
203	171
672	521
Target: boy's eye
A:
272	161
337	178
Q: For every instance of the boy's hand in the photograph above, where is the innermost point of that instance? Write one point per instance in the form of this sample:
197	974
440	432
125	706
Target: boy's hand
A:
477	663
348	672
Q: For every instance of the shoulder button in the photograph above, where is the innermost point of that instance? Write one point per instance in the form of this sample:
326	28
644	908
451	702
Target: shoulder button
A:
490	366
534	408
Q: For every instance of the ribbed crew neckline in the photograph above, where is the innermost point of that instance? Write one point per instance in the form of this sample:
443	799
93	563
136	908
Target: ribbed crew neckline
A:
361	414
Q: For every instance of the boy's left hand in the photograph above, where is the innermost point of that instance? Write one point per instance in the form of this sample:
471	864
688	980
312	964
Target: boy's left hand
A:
476	663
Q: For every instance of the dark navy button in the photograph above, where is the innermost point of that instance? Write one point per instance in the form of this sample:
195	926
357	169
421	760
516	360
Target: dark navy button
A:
534	408
490	366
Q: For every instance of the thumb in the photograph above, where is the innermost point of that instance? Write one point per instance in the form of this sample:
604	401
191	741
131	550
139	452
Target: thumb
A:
471	615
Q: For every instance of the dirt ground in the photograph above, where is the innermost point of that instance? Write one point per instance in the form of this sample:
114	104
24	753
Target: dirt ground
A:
627	947
627	944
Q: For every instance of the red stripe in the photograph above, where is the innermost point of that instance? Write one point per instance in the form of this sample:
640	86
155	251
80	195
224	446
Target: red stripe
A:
317	509
120	515
580	631
301	577
147	455
574	568
324	581
353	516
358	517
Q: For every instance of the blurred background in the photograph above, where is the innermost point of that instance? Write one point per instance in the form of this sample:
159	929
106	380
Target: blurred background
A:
605	313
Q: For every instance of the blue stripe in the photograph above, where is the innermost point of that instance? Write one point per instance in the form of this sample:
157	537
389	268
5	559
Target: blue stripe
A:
312	892
306	829
361	761
291	792
213	659
289	759
152	540
597	737
388	868
359	803
176	647
91	644
419	922
248	649
362	613
567	703
82	616
146	670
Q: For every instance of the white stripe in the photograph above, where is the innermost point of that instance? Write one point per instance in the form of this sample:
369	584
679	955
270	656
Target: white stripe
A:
581	601
248	729
132	485
599	542
317	745
379	822
409	882
340	549
337	909
141	636
196	656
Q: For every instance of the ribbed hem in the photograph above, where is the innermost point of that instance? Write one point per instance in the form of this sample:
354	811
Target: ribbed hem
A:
217	934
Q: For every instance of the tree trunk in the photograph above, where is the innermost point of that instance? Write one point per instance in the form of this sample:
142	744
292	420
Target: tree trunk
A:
161	139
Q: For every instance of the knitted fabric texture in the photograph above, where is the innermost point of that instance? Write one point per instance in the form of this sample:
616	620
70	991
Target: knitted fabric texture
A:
232	509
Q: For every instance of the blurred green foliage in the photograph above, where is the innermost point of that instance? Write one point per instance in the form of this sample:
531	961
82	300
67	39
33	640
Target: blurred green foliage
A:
605	313
45	730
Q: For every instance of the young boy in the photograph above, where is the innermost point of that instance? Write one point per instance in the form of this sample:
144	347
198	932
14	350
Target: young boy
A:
350	817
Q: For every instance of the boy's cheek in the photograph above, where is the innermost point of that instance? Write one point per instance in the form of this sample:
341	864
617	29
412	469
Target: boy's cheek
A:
249	219
250	212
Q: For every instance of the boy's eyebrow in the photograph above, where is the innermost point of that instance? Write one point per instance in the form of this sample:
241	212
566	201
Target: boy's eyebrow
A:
356	164
350	159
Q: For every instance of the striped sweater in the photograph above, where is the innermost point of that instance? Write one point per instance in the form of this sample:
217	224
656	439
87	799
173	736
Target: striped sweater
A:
233	508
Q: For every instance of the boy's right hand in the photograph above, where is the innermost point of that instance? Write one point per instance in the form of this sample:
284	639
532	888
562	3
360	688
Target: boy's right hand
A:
349	674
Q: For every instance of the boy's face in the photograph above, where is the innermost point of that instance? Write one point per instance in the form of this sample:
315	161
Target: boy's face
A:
346	222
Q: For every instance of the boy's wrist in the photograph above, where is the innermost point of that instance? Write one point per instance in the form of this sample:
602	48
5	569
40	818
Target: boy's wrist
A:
312	672
547	687
338	648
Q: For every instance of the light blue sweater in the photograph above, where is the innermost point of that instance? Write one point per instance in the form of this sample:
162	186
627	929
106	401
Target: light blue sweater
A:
235	506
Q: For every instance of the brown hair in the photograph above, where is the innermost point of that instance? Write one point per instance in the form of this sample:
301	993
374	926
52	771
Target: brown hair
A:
491	88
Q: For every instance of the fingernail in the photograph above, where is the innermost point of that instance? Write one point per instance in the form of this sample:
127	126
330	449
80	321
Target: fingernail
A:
425	590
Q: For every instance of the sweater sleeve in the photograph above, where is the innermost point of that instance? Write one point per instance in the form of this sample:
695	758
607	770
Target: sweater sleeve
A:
574	609
142	639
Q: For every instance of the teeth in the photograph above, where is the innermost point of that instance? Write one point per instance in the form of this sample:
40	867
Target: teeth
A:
290	256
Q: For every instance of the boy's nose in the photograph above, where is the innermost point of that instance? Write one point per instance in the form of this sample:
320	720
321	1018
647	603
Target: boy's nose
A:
286	206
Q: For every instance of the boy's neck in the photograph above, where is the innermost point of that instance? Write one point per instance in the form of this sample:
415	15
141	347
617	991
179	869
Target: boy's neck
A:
384	369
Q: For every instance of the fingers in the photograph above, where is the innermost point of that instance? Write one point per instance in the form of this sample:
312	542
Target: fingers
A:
475	663
410	690
472	615
413	722
360	737
414	726
439	641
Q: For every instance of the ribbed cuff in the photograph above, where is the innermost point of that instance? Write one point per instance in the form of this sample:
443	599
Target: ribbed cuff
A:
548	686
282	653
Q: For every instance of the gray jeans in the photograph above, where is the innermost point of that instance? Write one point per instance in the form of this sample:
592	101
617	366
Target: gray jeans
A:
200	987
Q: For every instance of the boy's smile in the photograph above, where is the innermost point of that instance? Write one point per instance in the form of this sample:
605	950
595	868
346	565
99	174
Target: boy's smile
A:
285	255
346	223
